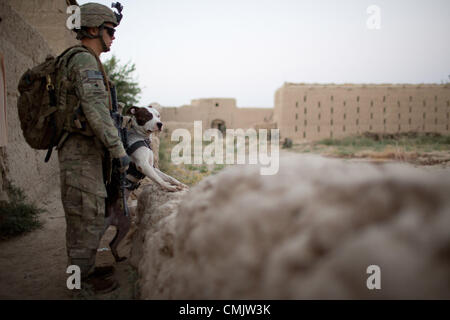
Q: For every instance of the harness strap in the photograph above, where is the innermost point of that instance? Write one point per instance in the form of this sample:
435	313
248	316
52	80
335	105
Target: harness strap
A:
134	172
137	145
137	176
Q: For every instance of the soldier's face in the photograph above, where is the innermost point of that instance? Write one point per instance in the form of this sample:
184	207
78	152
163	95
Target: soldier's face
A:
108	35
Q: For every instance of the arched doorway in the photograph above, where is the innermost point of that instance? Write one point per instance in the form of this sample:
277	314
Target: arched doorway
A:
219	124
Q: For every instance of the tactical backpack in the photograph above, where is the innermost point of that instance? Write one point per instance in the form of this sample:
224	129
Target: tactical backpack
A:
42	104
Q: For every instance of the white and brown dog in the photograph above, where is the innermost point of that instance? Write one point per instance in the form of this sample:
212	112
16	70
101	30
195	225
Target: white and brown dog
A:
145	121
142	123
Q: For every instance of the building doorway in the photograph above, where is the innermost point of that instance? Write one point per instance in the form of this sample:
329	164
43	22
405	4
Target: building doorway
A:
220	125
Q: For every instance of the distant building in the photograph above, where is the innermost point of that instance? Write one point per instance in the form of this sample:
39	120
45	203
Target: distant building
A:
220	113
308	112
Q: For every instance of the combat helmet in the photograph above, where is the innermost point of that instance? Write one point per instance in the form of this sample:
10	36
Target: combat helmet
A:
95	15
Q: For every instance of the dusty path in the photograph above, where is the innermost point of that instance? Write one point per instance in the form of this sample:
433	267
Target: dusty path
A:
33	266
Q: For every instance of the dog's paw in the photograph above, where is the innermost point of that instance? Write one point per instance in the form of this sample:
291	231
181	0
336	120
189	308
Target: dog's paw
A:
180	188
180	185
170	188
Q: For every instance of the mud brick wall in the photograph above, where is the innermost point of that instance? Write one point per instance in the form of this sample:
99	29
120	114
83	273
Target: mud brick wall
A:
209	110
49	18
307	112
22	47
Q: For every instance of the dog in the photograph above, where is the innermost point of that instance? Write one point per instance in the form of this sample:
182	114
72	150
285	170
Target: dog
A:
141	123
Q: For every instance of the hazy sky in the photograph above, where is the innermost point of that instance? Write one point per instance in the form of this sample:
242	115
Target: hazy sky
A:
246	49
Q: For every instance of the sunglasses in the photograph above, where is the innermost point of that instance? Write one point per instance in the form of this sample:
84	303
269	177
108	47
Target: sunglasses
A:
110	31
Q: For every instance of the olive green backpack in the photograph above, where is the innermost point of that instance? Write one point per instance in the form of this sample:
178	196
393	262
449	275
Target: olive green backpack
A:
42	104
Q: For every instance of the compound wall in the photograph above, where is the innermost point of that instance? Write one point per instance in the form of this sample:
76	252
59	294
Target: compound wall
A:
306	112
22	47
49	18
208	110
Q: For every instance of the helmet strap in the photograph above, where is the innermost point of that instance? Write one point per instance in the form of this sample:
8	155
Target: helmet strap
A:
84	33
102	41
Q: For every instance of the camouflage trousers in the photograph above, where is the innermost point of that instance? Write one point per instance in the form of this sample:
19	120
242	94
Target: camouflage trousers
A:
83	196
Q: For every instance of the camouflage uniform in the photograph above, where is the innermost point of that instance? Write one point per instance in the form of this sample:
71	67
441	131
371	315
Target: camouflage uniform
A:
82	159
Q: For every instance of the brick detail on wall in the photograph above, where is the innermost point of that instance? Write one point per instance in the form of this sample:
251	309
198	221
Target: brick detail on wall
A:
354	109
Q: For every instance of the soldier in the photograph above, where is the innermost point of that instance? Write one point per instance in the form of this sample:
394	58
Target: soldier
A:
88	145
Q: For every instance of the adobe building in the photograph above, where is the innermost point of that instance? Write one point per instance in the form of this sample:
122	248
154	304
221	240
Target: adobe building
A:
219	113
310	112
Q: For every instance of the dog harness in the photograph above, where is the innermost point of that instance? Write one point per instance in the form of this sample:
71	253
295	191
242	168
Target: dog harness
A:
135	141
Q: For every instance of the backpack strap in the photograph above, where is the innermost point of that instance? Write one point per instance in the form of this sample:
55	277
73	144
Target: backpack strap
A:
67	56
102	70
74	50
52	95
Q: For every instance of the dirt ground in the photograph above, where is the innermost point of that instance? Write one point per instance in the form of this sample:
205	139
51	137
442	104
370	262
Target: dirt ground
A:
33	266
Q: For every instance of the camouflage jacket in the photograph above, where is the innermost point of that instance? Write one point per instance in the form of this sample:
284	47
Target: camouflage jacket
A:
87	84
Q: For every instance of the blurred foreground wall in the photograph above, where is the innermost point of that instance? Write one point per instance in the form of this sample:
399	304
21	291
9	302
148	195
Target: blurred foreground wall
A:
309	232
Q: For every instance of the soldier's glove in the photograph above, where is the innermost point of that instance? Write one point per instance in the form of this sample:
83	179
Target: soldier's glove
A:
123	163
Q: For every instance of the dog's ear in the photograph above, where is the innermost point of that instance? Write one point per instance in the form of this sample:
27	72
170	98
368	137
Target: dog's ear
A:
132	110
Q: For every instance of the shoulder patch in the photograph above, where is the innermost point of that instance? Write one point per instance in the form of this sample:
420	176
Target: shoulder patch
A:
84	60
93	75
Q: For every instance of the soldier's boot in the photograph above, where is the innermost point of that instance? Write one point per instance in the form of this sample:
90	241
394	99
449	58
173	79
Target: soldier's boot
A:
100	285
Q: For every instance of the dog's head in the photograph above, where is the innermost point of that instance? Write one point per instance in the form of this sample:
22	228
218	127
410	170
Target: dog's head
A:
148	118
